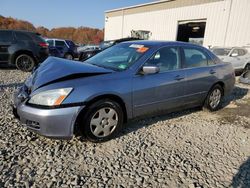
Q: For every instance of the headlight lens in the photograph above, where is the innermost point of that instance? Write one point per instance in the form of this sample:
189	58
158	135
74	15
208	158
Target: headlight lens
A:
50	98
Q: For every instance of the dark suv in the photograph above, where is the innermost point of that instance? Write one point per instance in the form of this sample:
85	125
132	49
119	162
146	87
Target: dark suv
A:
62	48
104	45
22	49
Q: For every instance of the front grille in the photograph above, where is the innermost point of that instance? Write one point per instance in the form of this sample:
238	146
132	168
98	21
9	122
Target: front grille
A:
32	124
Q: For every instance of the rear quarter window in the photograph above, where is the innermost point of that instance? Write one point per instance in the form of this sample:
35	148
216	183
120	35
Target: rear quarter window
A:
6	36
242	52
23	36
38	38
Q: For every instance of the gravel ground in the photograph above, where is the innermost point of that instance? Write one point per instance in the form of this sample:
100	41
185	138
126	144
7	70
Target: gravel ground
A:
190	148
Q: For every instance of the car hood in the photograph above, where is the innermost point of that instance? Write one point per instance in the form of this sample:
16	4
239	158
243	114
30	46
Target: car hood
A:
225	58
55	70
222	56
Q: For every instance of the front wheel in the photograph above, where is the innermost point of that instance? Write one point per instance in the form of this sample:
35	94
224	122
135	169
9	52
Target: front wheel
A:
214	98
103	120
68	56
25	62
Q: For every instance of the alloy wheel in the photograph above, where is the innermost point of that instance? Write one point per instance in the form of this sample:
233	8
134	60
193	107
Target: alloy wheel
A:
215	98
24	62
104	122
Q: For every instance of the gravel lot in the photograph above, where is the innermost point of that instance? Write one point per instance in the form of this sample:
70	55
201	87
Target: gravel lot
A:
190	148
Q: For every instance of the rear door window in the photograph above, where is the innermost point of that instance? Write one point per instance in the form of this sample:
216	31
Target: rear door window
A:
60	43
6	36
195	58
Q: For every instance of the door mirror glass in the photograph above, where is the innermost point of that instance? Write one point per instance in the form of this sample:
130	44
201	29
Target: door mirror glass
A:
150	69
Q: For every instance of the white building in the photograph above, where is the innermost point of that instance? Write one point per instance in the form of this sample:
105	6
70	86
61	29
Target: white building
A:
210	22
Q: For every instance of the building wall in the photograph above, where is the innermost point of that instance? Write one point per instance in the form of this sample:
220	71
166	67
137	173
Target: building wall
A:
222	17
239	24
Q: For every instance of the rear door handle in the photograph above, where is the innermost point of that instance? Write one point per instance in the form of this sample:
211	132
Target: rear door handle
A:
179	78
212	71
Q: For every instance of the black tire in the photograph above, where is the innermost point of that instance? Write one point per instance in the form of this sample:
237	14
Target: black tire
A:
93	114
208	104
247	67
68	56
25	62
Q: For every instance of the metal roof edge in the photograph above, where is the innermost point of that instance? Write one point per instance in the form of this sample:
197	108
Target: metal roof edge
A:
136	6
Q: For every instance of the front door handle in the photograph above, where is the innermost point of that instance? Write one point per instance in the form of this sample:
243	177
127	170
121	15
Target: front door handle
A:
179	78
212	71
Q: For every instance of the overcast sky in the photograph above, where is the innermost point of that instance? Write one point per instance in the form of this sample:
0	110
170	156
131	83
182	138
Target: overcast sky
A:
59	13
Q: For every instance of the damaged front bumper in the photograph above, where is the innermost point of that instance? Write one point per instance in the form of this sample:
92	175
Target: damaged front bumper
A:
53	123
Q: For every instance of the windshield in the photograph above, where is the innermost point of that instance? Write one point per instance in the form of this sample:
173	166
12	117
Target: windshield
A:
118	57
70	43
221	51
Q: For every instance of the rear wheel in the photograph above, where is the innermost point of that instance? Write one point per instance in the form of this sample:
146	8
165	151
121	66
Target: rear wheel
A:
214	98
25	62
103	120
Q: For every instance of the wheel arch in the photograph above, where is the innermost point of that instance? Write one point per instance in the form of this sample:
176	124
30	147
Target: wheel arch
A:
19	52
220	83
70	53
112	97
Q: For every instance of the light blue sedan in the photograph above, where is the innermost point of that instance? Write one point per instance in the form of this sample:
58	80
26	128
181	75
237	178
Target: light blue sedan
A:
123	82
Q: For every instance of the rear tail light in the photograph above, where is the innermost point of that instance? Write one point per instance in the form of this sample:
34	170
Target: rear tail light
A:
43	44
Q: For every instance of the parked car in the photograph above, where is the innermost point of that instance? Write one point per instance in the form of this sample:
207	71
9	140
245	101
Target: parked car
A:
22	49
88	53
62	48
245	77
104	45
87	47
125	81
239	57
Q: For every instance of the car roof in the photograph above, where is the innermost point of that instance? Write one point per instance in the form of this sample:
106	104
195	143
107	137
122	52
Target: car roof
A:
18	30
161	43
227	47
53	39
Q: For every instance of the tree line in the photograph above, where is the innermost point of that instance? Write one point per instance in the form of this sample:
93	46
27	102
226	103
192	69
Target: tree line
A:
80	35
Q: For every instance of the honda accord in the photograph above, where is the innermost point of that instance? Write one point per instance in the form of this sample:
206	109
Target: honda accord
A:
126	81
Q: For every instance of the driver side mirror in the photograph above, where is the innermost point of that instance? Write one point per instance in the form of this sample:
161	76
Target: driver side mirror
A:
234	55
150	69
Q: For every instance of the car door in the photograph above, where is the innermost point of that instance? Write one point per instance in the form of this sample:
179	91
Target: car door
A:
201	73
6	40
61	46
163	90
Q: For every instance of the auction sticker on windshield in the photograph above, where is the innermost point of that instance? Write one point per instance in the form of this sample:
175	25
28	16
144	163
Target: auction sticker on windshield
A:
140	48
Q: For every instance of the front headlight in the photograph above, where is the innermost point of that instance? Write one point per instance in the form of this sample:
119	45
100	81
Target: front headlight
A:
50	98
